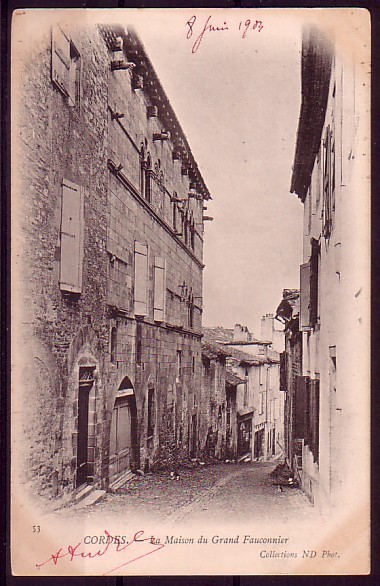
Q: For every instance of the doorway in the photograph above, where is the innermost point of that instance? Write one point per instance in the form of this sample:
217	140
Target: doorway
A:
244	436
123	430
85	464
193	440
259	444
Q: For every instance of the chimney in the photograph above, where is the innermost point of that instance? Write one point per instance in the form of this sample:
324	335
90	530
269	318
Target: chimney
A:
241	334
267	327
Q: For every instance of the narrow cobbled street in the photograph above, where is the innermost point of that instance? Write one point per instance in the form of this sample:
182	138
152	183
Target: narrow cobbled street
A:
212	493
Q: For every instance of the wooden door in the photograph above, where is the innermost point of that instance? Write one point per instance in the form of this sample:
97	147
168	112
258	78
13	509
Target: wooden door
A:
121	437
82	438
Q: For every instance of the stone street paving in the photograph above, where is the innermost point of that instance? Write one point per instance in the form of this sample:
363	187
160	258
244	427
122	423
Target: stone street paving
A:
213	492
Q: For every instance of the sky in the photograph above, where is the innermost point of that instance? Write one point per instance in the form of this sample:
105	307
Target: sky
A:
237	100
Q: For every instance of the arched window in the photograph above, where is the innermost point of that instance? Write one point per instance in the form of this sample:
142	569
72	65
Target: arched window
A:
175	212
142	171
186	230
113	345
148	178
192	236
191	311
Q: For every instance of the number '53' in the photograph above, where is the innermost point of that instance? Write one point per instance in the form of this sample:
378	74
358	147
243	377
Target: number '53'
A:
36	529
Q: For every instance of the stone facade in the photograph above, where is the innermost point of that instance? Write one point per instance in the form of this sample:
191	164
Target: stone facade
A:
218	405
107	257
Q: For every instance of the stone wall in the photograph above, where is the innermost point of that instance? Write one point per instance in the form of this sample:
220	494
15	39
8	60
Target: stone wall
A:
56	139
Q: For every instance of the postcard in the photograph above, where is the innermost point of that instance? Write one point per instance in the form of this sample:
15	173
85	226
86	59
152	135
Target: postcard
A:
190	292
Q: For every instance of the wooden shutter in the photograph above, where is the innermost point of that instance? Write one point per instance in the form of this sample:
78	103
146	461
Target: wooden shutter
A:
60	60
314	281
283	371
159	289
71	238
314	418
141	278
300	407
304	296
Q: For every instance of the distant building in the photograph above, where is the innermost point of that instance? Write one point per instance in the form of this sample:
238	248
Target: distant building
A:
271	334
217	409
330	176
109	228
259	402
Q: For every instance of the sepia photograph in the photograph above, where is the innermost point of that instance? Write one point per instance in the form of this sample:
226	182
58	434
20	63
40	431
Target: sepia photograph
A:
190	250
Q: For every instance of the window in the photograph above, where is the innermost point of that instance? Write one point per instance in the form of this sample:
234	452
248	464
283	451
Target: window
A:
179	364
190	311
174	209
192	236
312	418
141	278
328	182
143	166
151	413
261	410
261	375
300	406
245	397
148	180
70	278
193	365
186	230
305	296
309	280
113	345
314	282
65	66
159	289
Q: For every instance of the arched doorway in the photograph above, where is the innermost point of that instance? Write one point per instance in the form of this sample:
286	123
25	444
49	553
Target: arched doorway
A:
123	438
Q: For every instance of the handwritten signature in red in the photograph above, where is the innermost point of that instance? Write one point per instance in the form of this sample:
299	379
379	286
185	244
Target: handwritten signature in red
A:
112	544
208	26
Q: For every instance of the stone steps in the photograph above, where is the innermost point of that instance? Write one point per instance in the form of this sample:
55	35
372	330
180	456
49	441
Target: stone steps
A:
89	497
121	480
82	492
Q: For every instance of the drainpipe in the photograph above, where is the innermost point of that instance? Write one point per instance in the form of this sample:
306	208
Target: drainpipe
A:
266	408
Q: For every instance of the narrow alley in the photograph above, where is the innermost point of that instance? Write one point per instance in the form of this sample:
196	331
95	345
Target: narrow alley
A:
222	492
190	292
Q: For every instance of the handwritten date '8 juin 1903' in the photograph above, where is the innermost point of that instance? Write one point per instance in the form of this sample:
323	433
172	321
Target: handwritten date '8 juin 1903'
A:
200	29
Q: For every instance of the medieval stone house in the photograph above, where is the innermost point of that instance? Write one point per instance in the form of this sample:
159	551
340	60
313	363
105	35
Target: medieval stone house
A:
107	261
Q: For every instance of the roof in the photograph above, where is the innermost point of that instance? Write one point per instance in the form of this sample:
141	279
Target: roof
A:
237	355
251	343
136	53
218	334
226	336
315	80
240	357
245	411
212	350
233	379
